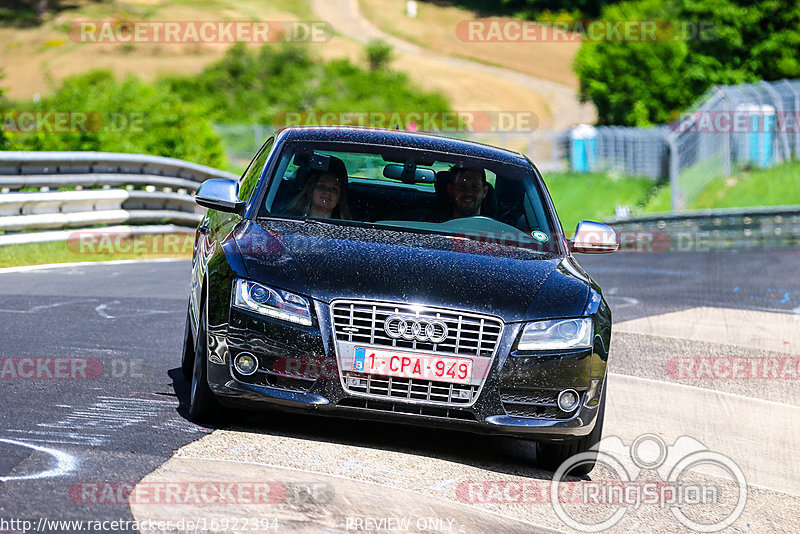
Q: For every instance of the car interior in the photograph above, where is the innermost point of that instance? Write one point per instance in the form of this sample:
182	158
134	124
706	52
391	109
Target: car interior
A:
404	189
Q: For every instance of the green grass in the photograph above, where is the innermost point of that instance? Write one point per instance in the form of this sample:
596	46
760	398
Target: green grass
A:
61	252
777	186
594	196
660	201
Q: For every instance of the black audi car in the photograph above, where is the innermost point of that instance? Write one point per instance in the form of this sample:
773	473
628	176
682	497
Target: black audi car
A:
395	276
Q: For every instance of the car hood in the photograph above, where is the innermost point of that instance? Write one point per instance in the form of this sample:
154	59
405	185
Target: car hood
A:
328	262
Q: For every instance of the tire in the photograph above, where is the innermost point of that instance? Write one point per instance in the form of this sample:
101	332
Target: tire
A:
203	405
550	456
187	361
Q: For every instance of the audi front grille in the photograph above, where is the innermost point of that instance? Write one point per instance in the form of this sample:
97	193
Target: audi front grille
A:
411	388
468	334
421	329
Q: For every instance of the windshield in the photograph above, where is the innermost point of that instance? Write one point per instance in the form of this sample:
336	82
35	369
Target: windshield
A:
415	190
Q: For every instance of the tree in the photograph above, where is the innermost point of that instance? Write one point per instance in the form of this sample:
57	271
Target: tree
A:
534	9
29	12
749	41
635	83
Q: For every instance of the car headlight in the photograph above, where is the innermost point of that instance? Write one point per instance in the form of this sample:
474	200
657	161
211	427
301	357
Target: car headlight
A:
271	302
557	334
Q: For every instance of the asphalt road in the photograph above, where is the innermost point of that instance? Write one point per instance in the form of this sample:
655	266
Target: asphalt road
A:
113	411
114	415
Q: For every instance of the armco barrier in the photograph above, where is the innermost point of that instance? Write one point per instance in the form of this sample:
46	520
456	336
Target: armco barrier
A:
37	163
110	188
719	229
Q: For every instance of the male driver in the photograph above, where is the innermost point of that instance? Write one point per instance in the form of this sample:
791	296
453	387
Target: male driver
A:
467	191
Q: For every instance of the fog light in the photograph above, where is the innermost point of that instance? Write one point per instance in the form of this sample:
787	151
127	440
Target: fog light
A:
246	363
568	400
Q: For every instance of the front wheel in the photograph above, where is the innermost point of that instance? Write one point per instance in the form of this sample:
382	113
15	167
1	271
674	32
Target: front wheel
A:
187	361
550	456
203	405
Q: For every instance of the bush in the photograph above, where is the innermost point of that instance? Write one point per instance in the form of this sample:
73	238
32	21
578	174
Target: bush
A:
259	86
379	54
125	116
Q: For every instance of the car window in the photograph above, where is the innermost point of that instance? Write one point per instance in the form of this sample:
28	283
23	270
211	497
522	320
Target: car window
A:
413	189
249	180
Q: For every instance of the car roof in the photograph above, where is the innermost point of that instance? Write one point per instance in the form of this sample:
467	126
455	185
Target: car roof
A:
402	139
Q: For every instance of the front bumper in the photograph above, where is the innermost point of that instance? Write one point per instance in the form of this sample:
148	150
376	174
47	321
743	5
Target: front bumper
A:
299	372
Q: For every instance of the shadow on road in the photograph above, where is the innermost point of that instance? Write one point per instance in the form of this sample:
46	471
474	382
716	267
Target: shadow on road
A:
492	453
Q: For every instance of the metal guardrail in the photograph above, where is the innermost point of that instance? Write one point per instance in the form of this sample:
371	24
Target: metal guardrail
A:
110	188
25	163
776	227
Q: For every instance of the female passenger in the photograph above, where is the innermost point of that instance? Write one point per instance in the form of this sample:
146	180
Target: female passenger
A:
324	194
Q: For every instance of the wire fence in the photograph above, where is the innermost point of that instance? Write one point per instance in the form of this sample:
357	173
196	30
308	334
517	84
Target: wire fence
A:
752	125
730	127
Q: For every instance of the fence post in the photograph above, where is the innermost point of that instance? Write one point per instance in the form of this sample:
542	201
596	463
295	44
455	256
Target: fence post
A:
676	202
727	139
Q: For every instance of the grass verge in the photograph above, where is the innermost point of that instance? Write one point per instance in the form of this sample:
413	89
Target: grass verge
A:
594	196
777	186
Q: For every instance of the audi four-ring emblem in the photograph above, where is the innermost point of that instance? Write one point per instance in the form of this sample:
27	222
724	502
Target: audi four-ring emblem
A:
419	328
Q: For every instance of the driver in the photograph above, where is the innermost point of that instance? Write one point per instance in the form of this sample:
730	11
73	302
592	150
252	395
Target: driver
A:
467	191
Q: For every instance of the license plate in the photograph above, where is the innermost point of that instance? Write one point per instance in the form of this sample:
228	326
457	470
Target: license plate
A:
411	365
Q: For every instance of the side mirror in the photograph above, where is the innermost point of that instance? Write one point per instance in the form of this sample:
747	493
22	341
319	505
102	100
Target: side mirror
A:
594	238
220	194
